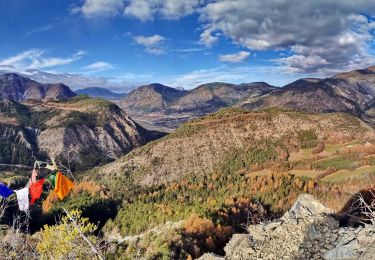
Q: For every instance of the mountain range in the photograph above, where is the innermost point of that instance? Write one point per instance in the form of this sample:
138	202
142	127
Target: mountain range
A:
164	108
113	131
205	98
351	92
100	93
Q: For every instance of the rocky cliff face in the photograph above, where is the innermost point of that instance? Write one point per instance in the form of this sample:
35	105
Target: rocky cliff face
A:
306	231
18	88
87	132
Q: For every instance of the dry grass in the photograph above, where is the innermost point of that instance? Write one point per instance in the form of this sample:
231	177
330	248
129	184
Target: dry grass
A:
306	173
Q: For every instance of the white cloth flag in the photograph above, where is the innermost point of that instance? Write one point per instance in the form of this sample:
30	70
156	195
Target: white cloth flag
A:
23	198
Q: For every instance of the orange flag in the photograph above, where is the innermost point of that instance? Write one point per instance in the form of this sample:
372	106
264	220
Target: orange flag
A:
62	186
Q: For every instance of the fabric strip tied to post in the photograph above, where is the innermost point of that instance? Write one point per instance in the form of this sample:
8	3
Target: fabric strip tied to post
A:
5	192
62	185
23	198
36	190
52	178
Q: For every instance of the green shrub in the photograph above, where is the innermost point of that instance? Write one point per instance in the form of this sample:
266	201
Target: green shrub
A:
187	130
307	139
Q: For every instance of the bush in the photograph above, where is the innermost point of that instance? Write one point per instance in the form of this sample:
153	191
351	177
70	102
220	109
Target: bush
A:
64	241
307	138
196	226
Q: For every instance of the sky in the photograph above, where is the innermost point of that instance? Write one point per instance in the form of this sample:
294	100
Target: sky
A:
120	44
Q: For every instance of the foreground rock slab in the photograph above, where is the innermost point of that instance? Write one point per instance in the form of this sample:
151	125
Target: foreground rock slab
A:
306	231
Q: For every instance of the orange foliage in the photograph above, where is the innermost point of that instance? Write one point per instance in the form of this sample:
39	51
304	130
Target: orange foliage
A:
86	186
48	202
197	226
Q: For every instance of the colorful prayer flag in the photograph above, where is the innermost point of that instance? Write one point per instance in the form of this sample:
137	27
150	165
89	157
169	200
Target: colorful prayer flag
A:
23	198
36	190
63	185
52	178
5	192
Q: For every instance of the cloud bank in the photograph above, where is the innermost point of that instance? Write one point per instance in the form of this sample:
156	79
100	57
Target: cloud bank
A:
320	36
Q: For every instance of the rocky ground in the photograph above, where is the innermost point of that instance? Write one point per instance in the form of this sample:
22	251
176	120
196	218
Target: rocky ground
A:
306	231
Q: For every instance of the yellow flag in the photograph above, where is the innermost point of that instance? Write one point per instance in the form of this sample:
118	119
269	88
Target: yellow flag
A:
63	185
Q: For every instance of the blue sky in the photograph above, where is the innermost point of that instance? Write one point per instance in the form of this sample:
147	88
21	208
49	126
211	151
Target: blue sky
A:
122	43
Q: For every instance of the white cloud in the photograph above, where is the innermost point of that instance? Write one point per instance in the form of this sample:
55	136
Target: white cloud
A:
169	9
132	76
152	44
36	59
14	60
208	38
141	9
149	41
321	35
99	8
39	30
238	74
237	57
99	66
188	50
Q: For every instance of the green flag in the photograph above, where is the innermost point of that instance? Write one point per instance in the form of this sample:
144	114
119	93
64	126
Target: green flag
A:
52	178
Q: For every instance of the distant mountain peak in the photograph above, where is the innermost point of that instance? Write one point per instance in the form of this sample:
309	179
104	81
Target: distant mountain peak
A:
16	87
151	97
159	87
100	92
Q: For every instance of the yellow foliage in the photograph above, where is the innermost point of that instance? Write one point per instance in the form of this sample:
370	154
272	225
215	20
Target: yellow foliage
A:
63	240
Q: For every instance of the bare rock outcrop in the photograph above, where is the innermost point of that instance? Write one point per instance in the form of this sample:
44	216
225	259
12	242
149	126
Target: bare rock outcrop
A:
306	231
